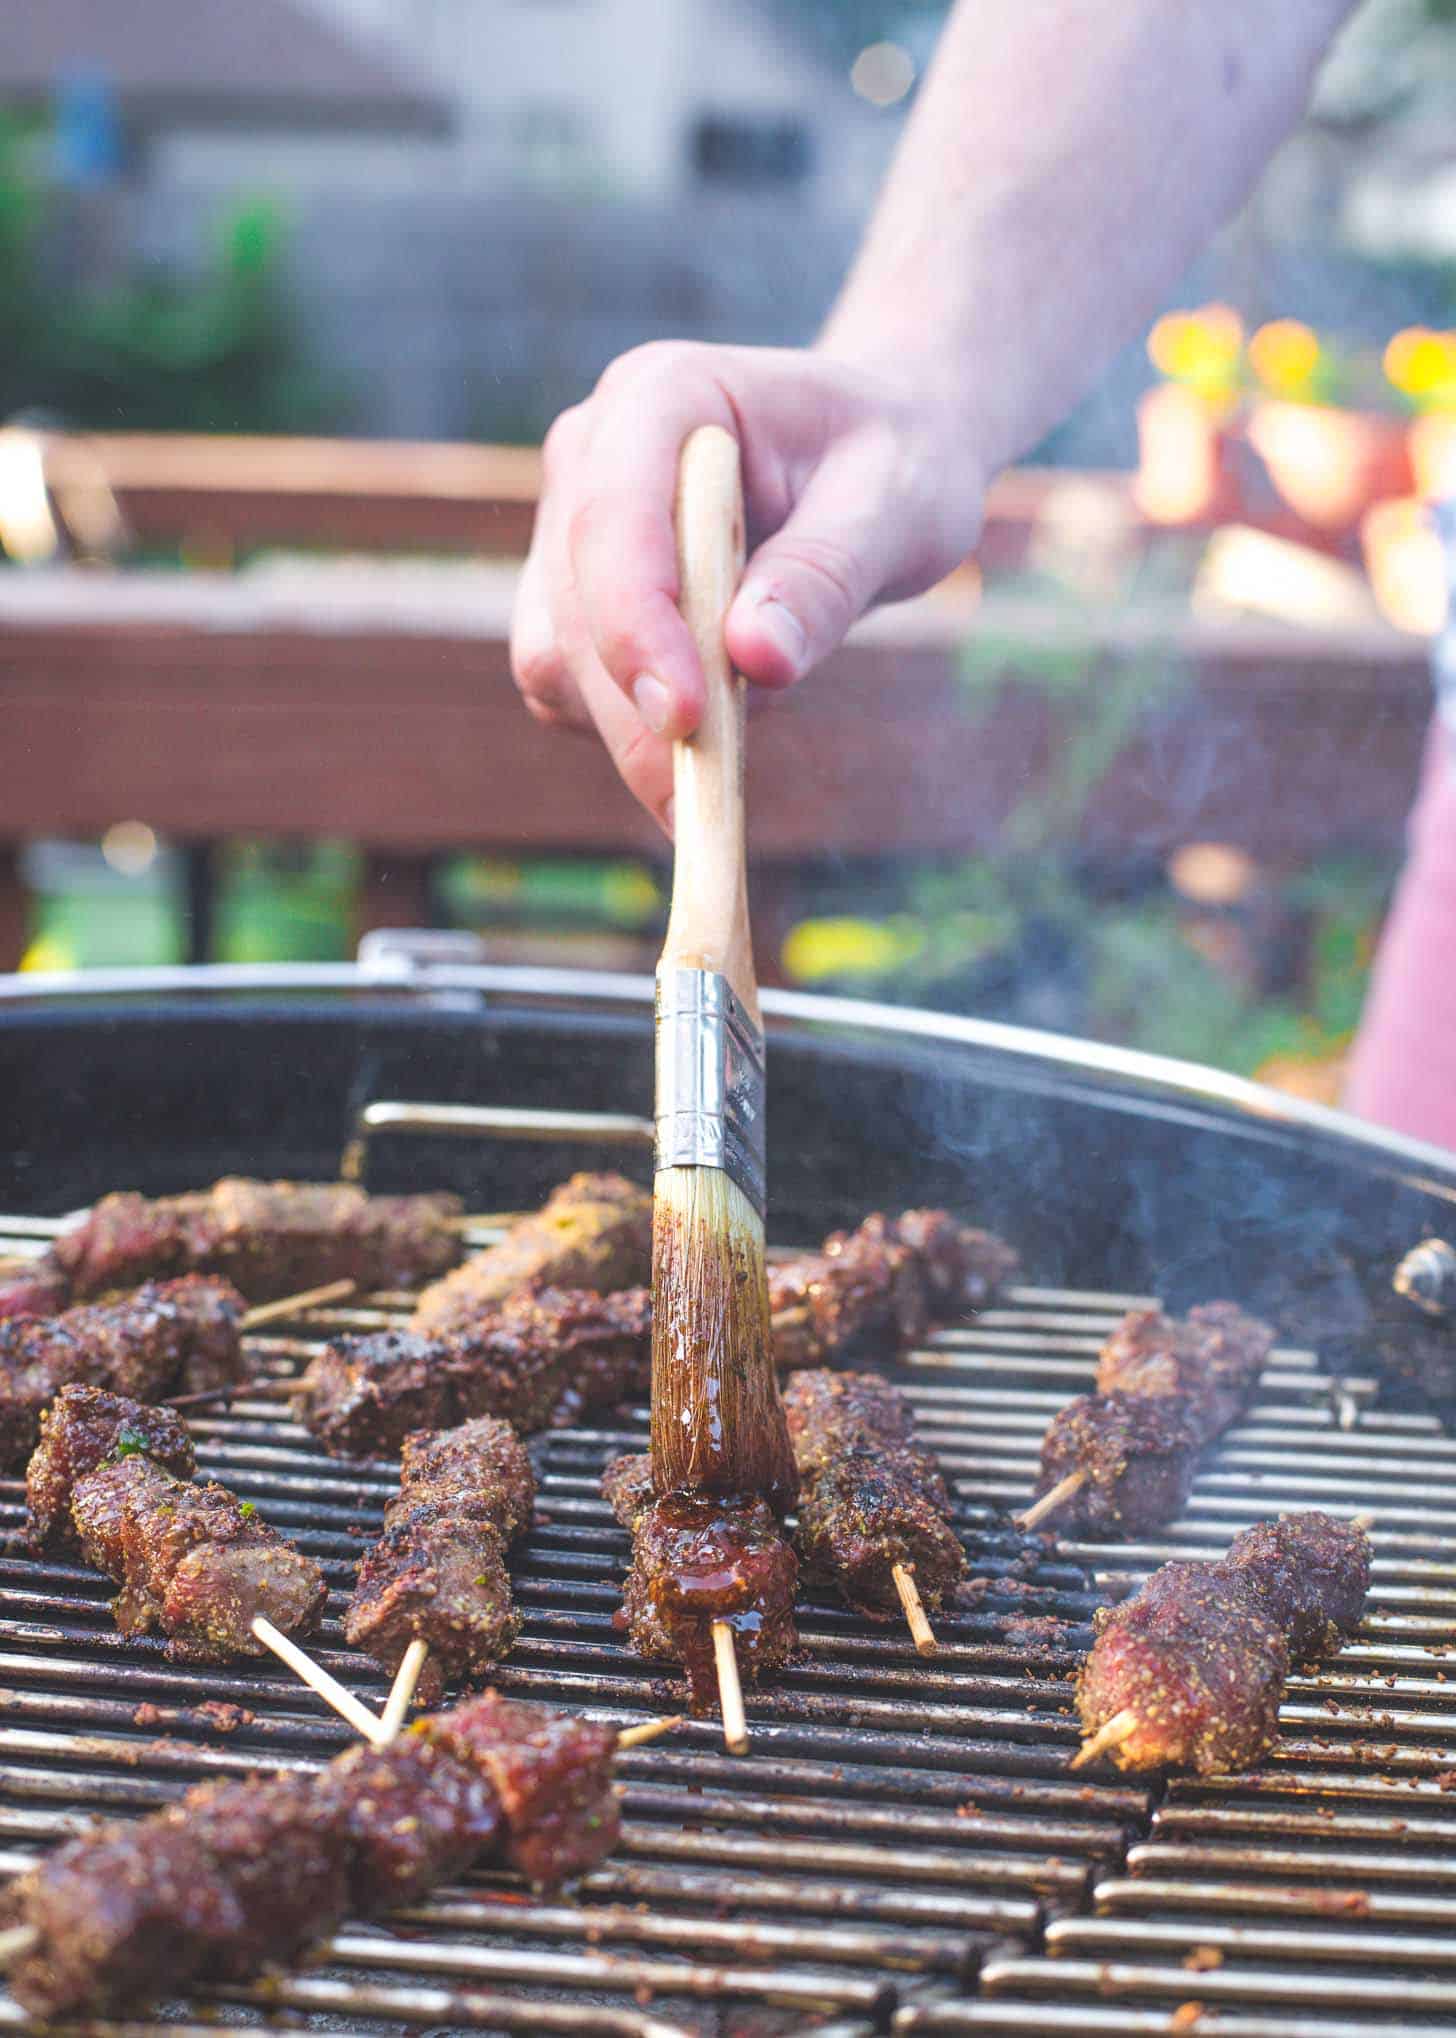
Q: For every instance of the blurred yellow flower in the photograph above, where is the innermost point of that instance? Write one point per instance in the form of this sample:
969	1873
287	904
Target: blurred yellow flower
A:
846	947
1284	355
1422	365
1199	348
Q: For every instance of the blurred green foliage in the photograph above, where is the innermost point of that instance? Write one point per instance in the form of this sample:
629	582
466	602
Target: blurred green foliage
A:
149	351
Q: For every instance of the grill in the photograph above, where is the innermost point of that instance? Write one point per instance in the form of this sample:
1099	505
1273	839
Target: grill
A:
903	1849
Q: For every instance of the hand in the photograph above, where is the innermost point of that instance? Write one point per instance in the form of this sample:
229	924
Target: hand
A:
856	492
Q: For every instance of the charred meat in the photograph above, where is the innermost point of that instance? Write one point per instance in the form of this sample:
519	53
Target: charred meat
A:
438	1572
193	1562
868	1497
594	1232
240	1875
169	1337
267	1238
540	1357
697	1558
82	1428
1195	1663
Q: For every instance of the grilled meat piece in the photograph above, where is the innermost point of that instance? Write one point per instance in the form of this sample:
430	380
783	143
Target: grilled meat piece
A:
552	1776
871	1510
1311	1573
240	1874
168	1337
697	1558
541	1357
412	1815
82	1427
829	1412
594	1232
868	1497
35	1289
1199	1656
438	1571
1200	1662
880	1285
191	1561
1212	1358
267	1238
1138	1452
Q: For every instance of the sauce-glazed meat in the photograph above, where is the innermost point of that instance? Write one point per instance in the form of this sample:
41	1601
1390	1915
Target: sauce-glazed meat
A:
697	1558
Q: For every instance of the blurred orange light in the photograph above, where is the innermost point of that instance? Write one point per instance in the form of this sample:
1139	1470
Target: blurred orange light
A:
1284	354
1422	364
1200	348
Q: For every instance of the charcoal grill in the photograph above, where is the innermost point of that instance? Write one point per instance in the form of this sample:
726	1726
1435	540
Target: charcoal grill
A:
904	1849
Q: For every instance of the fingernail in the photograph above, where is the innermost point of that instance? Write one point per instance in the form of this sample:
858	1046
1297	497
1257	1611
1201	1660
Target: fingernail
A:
783	629
653	703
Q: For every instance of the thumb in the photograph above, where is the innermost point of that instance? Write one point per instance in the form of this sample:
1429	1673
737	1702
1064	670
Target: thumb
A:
804	586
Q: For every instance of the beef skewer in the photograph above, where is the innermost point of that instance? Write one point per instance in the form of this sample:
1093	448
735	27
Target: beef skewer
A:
874	1514
540	1357
241	1874
267	1238
437	1575
704	1568
594	1232
1123	1458
548	1355
878	1287
113	1479
169	1335
1189	1673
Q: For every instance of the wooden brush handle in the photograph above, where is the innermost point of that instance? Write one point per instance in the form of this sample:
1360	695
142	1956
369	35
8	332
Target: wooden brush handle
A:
708	925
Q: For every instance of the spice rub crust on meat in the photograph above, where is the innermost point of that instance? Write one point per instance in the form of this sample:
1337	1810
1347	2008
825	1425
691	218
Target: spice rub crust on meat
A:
541	1356
192	1561
594	1232
870	1498
1138	1452
168	1337
83	1427
438	1572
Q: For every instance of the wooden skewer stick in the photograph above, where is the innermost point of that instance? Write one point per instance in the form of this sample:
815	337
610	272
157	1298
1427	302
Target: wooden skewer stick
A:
650	1730
1363	1522
1052	1500
730	1691
290	1305
318	1679
402	1691
1121	1727
15	1944
921	1631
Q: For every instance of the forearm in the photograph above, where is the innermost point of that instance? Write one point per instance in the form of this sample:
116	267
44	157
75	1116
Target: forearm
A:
1065	161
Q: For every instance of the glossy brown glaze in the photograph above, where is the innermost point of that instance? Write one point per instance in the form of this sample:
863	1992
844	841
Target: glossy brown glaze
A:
717	1418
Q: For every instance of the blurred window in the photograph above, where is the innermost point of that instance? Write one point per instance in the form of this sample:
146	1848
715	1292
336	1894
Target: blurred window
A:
749	148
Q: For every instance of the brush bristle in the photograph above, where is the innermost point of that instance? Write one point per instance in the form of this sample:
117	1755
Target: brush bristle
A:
717	1420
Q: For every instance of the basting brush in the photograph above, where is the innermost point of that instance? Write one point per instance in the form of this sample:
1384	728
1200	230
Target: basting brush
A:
717	1421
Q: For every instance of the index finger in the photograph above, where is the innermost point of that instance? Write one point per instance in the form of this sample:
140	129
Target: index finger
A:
623	547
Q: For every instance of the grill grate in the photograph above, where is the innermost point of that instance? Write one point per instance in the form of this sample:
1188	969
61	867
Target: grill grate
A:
904	1847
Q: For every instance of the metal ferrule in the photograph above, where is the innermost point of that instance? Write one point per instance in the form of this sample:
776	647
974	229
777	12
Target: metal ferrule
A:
710	1080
